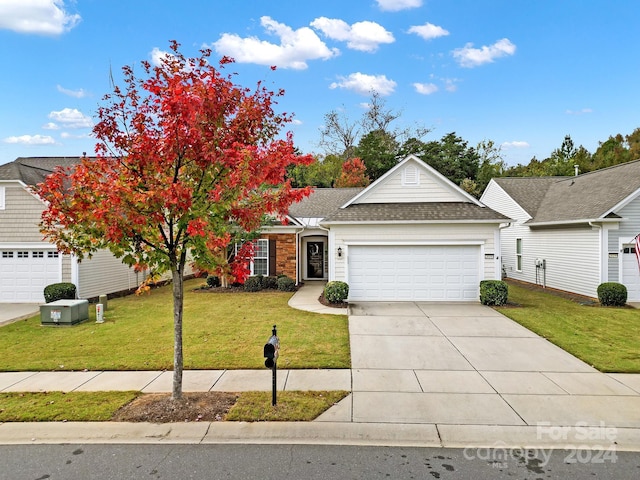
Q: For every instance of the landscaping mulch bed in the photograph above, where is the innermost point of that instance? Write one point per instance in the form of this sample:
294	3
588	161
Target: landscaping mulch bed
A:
193	407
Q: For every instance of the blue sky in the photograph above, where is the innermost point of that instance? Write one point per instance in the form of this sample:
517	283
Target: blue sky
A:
521	73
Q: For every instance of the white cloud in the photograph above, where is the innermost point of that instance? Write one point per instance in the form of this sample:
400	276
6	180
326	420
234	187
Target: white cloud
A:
365	84
31	140
425	88
157	55
429	31
296	47
470	57
364	36
71	118
450	84
81	93
51	126
67	135
515	144
397	5
579	112
46	17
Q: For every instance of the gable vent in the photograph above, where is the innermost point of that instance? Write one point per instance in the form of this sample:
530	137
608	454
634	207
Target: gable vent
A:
410	175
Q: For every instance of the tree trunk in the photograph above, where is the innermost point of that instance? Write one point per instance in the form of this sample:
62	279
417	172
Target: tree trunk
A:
178	303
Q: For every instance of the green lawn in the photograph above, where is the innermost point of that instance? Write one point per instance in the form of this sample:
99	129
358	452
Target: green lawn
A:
221	331
605	337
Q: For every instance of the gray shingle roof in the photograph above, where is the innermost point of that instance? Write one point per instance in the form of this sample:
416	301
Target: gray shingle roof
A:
414	212
323	202
529	192
588	196
33	170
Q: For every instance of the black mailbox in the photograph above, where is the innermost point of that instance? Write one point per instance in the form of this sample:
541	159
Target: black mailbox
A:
271	351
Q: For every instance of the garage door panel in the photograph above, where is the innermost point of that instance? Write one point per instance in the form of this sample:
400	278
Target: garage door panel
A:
25	276
421	273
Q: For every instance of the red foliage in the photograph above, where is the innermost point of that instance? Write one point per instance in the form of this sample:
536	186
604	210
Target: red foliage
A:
354	174
185	158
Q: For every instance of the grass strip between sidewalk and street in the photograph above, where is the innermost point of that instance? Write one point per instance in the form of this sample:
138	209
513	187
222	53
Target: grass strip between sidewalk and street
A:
223	330
604	337
292	406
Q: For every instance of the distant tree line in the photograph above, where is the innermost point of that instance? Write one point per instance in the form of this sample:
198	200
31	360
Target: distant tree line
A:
357	152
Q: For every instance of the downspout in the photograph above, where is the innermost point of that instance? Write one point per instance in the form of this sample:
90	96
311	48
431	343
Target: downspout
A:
499	247
602	257
298	255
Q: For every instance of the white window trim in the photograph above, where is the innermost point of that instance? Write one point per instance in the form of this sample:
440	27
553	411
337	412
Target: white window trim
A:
2	200
266	257
518	255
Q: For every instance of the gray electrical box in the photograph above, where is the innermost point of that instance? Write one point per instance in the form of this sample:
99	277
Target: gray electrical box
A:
64	312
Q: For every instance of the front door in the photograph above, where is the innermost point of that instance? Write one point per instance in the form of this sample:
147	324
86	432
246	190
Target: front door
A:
315	259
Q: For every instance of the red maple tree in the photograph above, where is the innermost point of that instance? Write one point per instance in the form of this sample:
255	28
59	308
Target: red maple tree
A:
354	174
187	161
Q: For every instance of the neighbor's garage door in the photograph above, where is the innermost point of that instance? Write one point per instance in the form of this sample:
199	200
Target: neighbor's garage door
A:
631	273
25	273
416	272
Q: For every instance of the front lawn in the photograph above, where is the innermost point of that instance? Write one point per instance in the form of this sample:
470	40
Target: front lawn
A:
605	337
221	331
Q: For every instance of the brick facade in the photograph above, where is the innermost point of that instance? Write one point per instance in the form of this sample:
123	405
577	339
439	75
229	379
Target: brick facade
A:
285	262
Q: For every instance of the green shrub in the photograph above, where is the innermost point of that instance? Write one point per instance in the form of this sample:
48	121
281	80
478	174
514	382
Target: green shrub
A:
336	291
612	294
493	292
253	284
270	283
286	284
59	291
213	281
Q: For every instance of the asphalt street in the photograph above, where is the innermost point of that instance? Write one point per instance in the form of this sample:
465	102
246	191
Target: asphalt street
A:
297	462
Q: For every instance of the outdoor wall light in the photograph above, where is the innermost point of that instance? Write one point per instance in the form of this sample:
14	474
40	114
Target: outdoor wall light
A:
339	252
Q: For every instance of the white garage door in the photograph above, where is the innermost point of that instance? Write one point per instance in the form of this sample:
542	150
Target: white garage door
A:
25	273
631	273
416	272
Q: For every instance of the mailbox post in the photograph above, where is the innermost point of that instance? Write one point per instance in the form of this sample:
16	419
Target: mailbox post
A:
271	351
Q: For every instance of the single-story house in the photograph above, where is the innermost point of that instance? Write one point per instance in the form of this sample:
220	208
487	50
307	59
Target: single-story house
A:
410	235
571	233
27	262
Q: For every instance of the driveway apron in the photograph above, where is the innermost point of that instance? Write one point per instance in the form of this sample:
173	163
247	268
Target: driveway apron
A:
466	364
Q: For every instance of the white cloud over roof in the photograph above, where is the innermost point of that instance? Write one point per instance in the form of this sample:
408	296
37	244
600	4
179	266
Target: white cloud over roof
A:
429	31
71	118
296	47
397	5
470	57
31	140
45	17
364	36
365	84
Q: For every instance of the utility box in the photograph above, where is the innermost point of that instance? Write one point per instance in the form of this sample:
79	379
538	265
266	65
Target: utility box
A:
64	312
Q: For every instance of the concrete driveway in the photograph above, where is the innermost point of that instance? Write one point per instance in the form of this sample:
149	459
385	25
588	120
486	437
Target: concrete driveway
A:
466	364
11	312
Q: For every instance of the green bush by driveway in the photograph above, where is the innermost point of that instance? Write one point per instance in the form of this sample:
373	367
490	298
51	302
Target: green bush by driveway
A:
221	331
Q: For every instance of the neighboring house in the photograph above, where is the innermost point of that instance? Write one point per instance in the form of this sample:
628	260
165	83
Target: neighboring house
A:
27	262
571	233
411	235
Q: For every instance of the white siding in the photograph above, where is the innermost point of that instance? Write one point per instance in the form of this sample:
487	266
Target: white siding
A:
429	189
628	228
411	234
572	254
